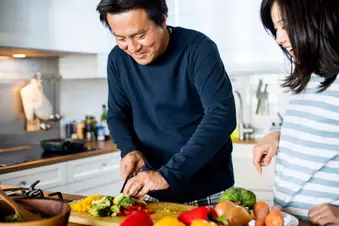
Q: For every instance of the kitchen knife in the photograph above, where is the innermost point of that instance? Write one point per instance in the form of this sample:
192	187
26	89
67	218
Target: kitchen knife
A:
127	178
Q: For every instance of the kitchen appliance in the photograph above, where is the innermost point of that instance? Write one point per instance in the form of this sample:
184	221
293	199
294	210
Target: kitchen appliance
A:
63	145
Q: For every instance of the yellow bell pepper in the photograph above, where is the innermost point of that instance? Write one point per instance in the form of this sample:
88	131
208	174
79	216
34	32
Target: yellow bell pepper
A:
203	223
169	221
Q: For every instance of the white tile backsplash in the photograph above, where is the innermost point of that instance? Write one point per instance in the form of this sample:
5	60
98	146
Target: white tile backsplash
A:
79	97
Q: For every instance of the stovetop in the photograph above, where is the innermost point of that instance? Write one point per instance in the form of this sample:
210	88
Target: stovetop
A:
33	192
13	157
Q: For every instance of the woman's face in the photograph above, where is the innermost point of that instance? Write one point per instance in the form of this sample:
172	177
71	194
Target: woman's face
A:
281	32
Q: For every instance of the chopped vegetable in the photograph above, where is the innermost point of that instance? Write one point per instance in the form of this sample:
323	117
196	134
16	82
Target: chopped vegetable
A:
199	213
239	196
101	207
83	205
118	199
169	221
13	218
203	223
138	218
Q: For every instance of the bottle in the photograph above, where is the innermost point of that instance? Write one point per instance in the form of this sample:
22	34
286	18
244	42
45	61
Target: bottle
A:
103	120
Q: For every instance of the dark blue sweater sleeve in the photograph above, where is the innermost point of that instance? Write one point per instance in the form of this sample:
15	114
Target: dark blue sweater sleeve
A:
119	114
219	121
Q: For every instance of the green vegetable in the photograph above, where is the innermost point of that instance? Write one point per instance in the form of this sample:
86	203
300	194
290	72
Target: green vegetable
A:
13	218
127	201
115	210
118	199
101	207
99	211
239	196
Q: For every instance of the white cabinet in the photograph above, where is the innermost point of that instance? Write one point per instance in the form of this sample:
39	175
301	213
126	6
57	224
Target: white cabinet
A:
49	176
247	176
60	25
93	175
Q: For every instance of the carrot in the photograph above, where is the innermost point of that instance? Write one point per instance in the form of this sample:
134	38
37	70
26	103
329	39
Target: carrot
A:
274	218
260	211
259	221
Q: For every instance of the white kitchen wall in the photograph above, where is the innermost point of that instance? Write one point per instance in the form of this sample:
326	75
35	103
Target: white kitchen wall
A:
236	28
82	96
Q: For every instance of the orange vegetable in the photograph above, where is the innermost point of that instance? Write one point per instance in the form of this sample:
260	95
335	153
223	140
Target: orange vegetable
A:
260	210
274	218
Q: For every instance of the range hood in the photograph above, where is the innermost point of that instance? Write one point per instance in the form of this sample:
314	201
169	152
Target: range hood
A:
31	53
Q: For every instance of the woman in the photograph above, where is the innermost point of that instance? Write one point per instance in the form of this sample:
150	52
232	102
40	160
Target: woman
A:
307	168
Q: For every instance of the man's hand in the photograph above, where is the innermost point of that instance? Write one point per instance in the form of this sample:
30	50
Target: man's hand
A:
324	214
144	182
131	163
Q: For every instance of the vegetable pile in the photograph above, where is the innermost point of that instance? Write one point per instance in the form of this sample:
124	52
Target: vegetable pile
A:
236	207
120	205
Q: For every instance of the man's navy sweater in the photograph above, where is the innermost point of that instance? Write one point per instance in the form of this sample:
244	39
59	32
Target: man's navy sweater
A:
179	112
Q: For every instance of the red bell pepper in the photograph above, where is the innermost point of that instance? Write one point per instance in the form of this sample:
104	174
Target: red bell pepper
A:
138	218
199	213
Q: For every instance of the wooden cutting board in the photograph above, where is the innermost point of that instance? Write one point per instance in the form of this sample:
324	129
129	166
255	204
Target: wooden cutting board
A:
161	210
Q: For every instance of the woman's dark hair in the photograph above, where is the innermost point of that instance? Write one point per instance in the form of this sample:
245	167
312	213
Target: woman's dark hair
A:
155	9
313	29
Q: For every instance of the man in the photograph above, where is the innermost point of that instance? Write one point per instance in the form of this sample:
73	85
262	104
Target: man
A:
170	107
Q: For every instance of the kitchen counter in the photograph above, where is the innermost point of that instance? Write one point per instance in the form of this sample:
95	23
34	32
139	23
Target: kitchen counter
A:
244	141
77	197
34	156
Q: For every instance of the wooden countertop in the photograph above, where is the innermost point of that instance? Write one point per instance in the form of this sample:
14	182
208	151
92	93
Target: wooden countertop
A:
106	147
244	141
77	197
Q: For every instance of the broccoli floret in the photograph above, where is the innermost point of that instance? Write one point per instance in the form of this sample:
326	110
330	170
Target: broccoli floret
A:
13	218
106	201
232	194
240	196
248	199
115	210
117	199
99	211
101	207
127	201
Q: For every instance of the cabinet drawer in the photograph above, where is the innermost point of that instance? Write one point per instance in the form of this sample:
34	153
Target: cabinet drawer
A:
49	176
107	164
103	185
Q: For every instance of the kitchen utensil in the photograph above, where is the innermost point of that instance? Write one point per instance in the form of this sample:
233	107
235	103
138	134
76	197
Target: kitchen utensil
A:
127	178
43	107
56	211
259	96
62	145
161	209
19	210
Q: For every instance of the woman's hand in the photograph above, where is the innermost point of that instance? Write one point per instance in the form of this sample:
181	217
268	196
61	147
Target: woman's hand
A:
265	149
324	214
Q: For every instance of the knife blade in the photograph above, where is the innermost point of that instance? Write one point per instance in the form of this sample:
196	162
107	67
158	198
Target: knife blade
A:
127	178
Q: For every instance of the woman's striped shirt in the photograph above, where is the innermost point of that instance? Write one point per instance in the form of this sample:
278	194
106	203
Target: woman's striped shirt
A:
307	166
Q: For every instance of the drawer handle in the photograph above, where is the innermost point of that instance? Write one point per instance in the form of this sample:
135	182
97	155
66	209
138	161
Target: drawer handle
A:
23	183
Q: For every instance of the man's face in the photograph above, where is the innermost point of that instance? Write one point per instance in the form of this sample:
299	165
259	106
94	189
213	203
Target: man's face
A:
137	35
